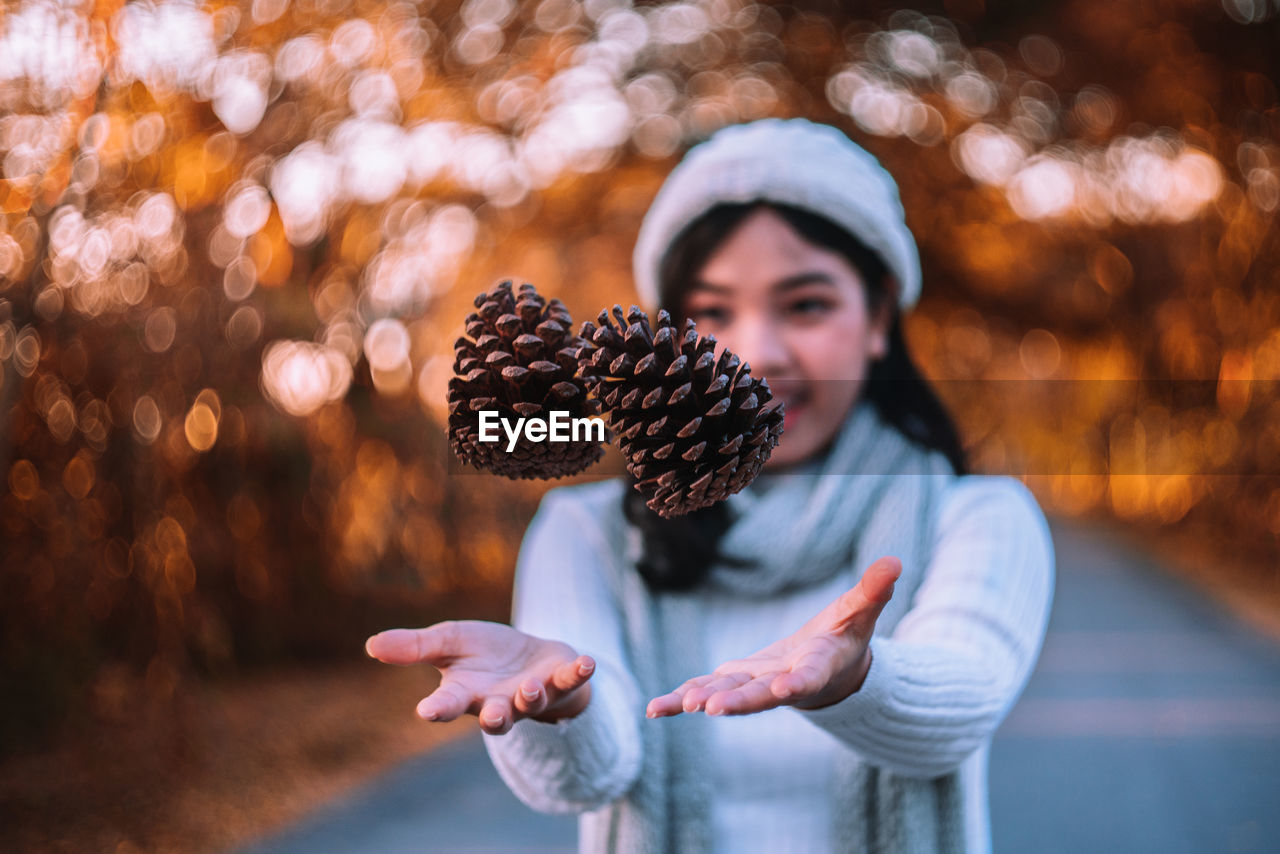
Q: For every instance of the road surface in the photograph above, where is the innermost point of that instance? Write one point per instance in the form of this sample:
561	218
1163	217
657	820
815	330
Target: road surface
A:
1151	724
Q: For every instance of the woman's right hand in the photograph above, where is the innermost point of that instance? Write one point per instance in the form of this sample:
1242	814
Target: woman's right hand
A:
491	670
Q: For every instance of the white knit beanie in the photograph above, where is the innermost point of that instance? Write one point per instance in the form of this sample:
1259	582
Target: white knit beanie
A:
791	161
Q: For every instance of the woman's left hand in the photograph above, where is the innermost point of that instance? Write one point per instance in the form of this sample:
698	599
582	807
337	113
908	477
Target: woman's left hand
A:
822	663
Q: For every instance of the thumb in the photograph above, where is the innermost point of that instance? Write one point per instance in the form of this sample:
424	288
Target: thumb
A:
433	644
859	608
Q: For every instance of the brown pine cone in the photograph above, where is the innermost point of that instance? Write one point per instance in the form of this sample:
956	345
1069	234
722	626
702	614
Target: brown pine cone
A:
519	360
694	429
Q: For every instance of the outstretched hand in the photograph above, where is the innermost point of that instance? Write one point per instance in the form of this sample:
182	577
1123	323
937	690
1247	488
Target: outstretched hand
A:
491	670
821	664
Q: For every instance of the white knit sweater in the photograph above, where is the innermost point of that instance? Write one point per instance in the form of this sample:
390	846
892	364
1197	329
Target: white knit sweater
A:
940	682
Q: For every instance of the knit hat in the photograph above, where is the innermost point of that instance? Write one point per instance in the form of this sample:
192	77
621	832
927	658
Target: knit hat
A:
791	161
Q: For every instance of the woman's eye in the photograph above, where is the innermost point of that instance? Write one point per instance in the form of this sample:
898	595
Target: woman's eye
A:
708	314
809	307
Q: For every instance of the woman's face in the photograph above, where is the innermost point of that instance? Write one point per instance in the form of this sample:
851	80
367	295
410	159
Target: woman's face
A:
797	313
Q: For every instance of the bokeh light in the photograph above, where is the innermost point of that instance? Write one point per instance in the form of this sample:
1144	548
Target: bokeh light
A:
300	377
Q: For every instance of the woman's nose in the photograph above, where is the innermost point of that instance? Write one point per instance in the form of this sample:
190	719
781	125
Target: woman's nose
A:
758	342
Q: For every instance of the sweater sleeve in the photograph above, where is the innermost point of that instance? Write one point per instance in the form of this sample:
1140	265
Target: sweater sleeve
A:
584	762
954	665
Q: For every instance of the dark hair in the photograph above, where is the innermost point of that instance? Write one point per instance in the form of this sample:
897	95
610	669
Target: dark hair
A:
678	552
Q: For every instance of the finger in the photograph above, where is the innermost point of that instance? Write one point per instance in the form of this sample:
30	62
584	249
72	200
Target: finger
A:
752	697
696	697
810	674
409	646
530	698
496	715
572	674
859	608
671	703
664	706
446	703
877	582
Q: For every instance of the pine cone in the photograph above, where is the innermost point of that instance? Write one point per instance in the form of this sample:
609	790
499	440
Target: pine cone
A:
519	360
694	429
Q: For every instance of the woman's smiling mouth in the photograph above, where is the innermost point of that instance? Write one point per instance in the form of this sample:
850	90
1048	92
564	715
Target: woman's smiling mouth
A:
794	401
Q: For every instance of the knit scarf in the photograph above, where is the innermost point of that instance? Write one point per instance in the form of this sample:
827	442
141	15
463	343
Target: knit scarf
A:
875	493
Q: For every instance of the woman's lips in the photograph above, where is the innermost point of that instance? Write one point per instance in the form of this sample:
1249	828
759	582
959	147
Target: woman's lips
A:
791	415
793	405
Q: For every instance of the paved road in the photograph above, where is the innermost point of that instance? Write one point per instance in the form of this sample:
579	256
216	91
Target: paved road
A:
1152	724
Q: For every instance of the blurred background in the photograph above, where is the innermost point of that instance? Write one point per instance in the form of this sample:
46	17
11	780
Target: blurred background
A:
239	239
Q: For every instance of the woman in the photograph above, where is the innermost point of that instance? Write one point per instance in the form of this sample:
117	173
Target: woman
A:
844	635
